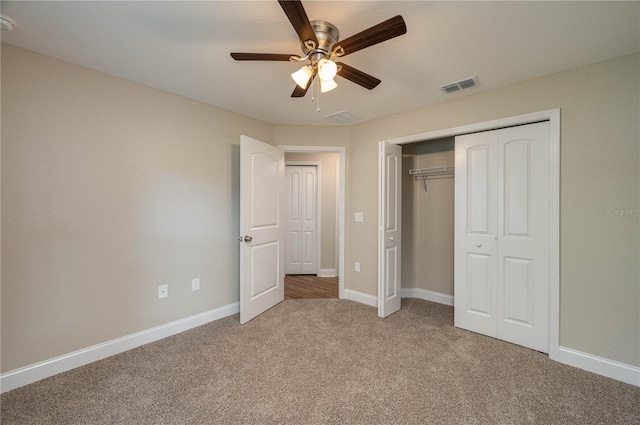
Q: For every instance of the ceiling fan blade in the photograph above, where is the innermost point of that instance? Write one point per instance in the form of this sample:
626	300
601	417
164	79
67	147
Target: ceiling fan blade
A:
298	18
262	57
384	31
299	91
357	76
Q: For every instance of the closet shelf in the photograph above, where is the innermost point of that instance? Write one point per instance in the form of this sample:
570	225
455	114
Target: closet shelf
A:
425	174
448	171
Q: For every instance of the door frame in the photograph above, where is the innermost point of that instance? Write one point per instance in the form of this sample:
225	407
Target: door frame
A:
341	150
318	229
553	116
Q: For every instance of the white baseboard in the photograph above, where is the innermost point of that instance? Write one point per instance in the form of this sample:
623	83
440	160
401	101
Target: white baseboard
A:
327	273
605	367
35	372
589	362
361	297
423	294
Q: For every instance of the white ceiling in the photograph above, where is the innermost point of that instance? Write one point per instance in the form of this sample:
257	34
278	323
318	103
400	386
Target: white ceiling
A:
183	47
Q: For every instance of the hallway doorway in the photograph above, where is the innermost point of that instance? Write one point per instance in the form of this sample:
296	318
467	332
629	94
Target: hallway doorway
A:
298	287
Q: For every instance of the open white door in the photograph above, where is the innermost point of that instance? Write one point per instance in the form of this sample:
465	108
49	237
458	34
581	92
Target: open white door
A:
389	228
262	191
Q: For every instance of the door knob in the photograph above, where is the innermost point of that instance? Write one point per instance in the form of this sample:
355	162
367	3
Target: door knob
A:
478	244
391	238
248	238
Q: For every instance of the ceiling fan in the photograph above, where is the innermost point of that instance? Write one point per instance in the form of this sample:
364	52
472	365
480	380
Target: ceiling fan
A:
320	44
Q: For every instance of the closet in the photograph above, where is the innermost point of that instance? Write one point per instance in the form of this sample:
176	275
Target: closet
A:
502	234
481	239
428	219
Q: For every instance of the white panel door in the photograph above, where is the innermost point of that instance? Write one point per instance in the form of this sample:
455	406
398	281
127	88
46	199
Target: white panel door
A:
262	191
523	235
502	234
475	233
389	236
301	241
293	263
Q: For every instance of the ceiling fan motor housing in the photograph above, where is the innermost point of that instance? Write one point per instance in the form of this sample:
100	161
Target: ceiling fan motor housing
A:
327	35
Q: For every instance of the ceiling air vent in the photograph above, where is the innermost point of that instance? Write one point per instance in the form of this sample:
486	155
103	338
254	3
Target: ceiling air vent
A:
450	88
459	85
343	117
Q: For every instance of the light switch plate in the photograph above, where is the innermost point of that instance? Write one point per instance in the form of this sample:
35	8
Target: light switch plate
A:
359	217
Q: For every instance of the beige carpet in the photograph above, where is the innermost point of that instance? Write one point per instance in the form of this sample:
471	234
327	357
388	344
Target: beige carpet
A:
327	362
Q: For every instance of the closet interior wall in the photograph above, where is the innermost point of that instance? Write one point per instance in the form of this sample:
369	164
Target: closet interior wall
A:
428	218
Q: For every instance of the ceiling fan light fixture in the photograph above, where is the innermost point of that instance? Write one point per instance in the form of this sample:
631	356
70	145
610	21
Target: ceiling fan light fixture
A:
321	42
327	85
327	69
7	24
302	76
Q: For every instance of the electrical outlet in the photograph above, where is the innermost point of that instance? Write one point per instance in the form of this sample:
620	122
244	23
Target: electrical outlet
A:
195	284
163	291
359	217
357	266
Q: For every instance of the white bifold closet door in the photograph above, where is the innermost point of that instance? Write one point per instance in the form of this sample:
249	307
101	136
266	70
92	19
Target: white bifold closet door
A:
390	229
502	201
301	244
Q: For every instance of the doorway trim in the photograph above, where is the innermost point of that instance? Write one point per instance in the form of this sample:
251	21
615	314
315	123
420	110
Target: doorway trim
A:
341	150
318	202
553	116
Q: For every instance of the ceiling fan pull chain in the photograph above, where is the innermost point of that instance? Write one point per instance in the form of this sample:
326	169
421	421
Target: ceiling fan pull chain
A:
318	88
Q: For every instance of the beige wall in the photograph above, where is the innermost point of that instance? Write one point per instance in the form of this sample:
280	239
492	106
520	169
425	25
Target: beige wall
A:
428	218
599	249
109	189
329	162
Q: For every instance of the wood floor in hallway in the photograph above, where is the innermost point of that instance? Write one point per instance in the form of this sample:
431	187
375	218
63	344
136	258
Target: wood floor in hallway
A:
298	287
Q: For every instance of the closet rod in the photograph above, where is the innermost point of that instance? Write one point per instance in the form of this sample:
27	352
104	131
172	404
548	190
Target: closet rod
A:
425	174
432	171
